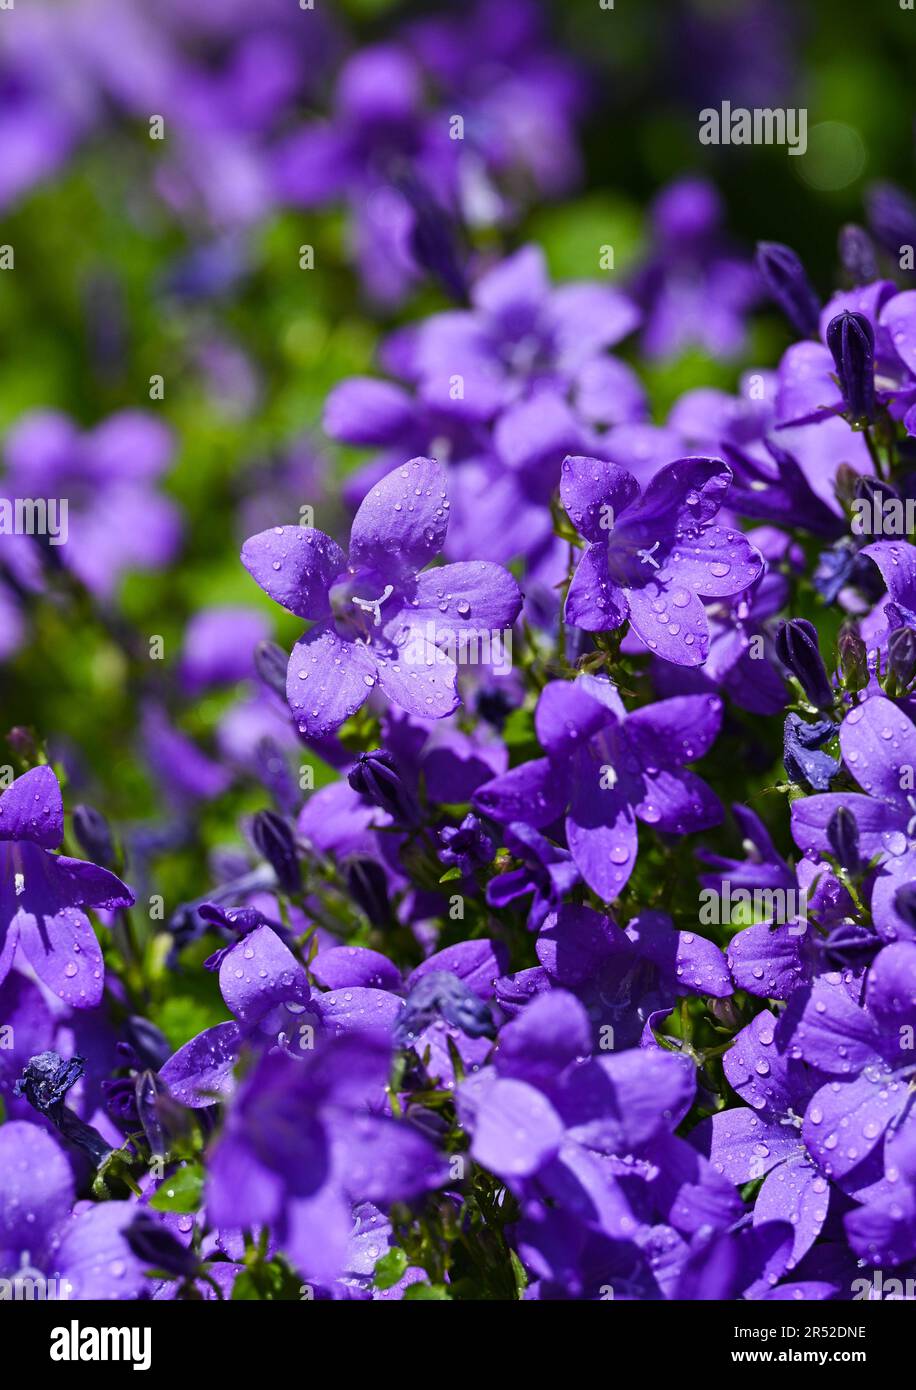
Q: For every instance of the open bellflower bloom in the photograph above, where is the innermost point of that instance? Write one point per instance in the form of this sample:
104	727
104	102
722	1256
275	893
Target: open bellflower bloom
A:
377	613
43	893
651	555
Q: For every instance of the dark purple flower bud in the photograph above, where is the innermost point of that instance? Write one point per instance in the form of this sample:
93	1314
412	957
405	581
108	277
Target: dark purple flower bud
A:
797	649
93	834
368	887
434	240
376	777
274	839
467	846
853	659
843	837
905	903
874	493
442	994
857	254
270	662
891	216
494	705
44	1083
785	278
901	657
851	340
151	1047
273	770
154	1244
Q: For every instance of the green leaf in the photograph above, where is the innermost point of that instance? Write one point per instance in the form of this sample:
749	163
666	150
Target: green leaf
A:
182	1191
427	1293
390	1268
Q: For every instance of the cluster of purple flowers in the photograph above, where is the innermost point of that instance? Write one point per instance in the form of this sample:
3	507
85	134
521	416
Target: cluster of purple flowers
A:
509	1004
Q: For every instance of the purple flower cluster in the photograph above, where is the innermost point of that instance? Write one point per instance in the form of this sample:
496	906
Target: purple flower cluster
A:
536	917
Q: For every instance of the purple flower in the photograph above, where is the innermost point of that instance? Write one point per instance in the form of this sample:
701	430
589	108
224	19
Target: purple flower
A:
546	872
69	1253
609	768
867	1052
306	1140
377	617
764	1138
623	977
565	1128
41	893
878	743
649	557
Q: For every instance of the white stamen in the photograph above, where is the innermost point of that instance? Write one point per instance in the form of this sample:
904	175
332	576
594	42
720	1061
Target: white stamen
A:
374	605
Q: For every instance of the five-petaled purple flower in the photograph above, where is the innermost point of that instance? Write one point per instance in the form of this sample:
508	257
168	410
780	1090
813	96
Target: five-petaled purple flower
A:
379	617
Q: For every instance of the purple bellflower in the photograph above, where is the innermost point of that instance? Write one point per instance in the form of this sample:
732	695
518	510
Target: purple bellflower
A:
377	615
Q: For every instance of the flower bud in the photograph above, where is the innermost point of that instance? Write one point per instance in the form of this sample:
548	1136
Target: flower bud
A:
274	839
368	887
270	662
901	657
93	834
376	777
851	340
853	659
785	278
843	838
857	254
797	649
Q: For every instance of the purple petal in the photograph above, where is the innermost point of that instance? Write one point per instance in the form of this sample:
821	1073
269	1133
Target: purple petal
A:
477	596
672	624
201	1072
719	562
587	486
593	601
258	973
766	960
358	1010
879	741
97	1259
891	989
516	1130
577	942
548	1035
296	566
567	716
897	562
844	1123
364	411
742	1146
678	802
879	825
478	963
535	792
341	967
419	677
63	951
401	524
33	809
675	731
601	831
36	1189
512	293
327	680
796	1192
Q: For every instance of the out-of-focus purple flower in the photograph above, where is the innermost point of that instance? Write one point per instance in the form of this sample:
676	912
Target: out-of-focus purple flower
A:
314	1137
70	1253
